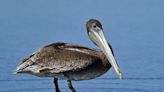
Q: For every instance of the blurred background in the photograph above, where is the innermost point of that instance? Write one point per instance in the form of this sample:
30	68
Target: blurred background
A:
134	28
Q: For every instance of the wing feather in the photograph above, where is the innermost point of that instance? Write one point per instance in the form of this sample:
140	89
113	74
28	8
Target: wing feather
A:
59	57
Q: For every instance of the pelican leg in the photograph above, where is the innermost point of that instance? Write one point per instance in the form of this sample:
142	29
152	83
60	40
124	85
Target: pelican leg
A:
56	85
70	86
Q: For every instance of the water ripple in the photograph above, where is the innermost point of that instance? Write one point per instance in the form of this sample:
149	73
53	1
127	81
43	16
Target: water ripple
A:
22	90
86	89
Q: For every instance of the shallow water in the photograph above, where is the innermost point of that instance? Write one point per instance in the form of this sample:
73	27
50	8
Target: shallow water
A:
134	29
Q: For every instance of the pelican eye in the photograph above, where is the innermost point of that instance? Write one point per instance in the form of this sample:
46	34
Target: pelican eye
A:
94	26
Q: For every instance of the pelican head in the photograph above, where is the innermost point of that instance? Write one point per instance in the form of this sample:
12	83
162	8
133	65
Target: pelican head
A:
95	32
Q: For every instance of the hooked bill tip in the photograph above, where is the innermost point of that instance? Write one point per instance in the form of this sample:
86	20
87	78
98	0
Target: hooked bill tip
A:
120	76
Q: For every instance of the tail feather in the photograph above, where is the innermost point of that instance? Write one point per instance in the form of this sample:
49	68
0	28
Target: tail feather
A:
23	66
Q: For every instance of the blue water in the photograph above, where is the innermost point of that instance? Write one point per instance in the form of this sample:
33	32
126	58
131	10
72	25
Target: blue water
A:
135	29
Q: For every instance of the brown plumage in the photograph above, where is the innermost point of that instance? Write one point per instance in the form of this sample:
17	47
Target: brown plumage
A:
72	62
61	60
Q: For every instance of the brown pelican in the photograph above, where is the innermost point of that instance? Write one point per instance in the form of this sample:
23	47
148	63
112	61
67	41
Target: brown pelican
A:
72	62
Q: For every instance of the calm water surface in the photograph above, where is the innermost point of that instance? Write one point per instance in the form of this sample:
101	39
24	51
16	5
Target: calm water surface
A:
135	30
